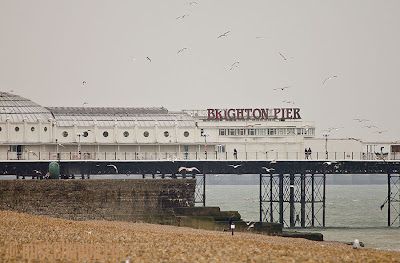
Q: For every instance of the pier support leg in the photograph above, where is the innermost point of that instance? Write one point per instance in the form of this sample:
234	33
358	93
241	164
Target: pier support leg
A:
292	210
303	200
281	199
312	200
324	201
271	204
389	197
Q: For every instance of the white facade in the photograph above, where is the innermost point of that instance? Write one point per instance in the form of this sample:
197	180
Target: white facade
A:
30	131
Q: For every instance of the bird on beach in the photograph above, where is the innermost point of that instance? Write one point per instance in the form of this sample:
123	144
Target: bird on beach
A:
268	169
328	79
224	34
188	169
235	165
356	244
115	167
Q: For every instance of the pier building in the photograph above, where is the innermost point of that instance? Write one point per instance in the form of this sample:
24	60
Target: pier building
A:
29	131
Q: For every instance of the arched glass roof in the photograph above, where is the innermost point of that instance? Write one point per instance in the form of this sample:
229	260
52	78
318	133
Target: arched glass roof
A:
16	109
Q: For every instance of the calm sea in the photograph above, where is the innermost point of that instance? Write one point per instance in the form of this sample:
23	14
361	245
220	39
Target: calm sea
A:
352	212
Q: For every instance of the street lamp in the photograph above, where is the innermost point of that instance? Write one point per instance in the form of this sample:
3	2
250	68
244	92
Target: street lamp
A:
205	143
326	138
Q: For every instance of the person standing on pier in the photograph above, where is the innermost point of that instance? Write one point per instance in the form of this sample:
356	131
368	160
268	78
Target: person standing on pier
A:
235	153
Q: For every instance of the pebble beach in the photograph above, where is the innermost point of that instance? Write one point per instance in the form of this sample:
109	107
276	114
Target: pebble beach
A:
31	238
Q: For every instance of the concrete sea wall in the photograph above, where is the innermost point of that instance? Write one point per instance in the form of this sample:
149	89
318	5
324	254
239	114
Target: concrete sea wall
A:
134	200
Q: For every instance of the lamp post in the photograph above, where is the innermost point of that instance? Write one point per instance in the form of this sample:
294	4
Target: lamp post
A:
79	143
326	145
205	143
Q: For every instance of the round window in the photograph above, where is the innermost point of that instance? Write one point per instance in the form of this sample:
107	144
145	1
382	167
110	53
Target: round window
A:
186	134
65	134
32	128
45	129
0	128
105	134
166	133
146	134
85	134
16	128
126	134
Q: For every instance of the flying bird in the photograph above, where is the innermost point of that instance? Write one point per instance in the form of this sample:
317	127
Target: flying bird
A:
283	88
181	17
234	65
328	79
85	103
273	161
370	126
188	169
235	165
268	169
224	34
329	163
250	225
191	3
380	132
360	120
181	50
38	172
288	101
149	59
282	56
115	167
84	82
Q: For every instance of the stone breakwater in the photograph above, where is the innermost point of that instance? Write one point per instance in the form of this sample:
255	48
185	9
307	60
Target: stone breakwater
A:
134	200
46	239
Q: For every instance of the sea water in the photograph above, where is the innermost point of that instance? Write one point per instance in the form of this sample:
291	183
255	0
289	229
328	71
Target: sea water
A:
352	212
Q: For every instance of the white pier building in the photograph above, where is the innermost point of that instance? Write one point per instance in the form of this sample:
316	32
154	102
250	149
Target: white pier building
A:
29	131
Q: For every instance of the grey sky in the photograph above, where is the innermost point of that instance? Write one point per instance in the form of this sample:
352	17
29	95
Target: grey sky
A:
48	48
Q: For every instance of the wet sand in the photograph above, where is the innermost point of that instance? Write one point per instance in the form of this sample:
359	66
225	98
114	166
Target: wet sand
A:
45	239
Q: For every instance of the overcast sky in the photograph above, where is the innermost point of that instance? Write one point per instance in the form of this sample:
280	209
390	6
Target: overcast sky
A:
48	49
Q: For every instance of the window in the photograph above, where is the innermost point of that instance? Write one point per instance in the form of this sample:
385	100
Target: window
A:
45	129
185	148
251	131
260	132
280	131
271	131
166	133
85	134
65	134
232	132
290	131
240	132
16	128
32	128
105	134
186	134
222	131
126	134
146	134
0	128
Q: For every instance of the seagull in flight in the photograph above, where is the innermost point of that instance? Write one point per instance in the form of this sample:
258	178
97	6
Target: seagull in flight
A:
84	82
224	34
191	3
235	165
273	161
268	169
115	167
329	163
181	50
149	59
288	101
85	103
188	169
370	126
181	17
380	132
234	65
360	120
328	79
250	225
285	58
38	172
283	88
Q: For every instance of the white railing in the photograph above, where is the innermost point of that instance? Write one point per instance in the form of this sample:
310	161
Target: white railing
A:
181	156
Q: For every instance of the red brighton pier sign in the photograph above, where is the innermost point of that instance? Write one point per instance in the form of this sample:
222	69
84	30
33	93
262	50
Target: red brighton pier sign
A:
254	114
